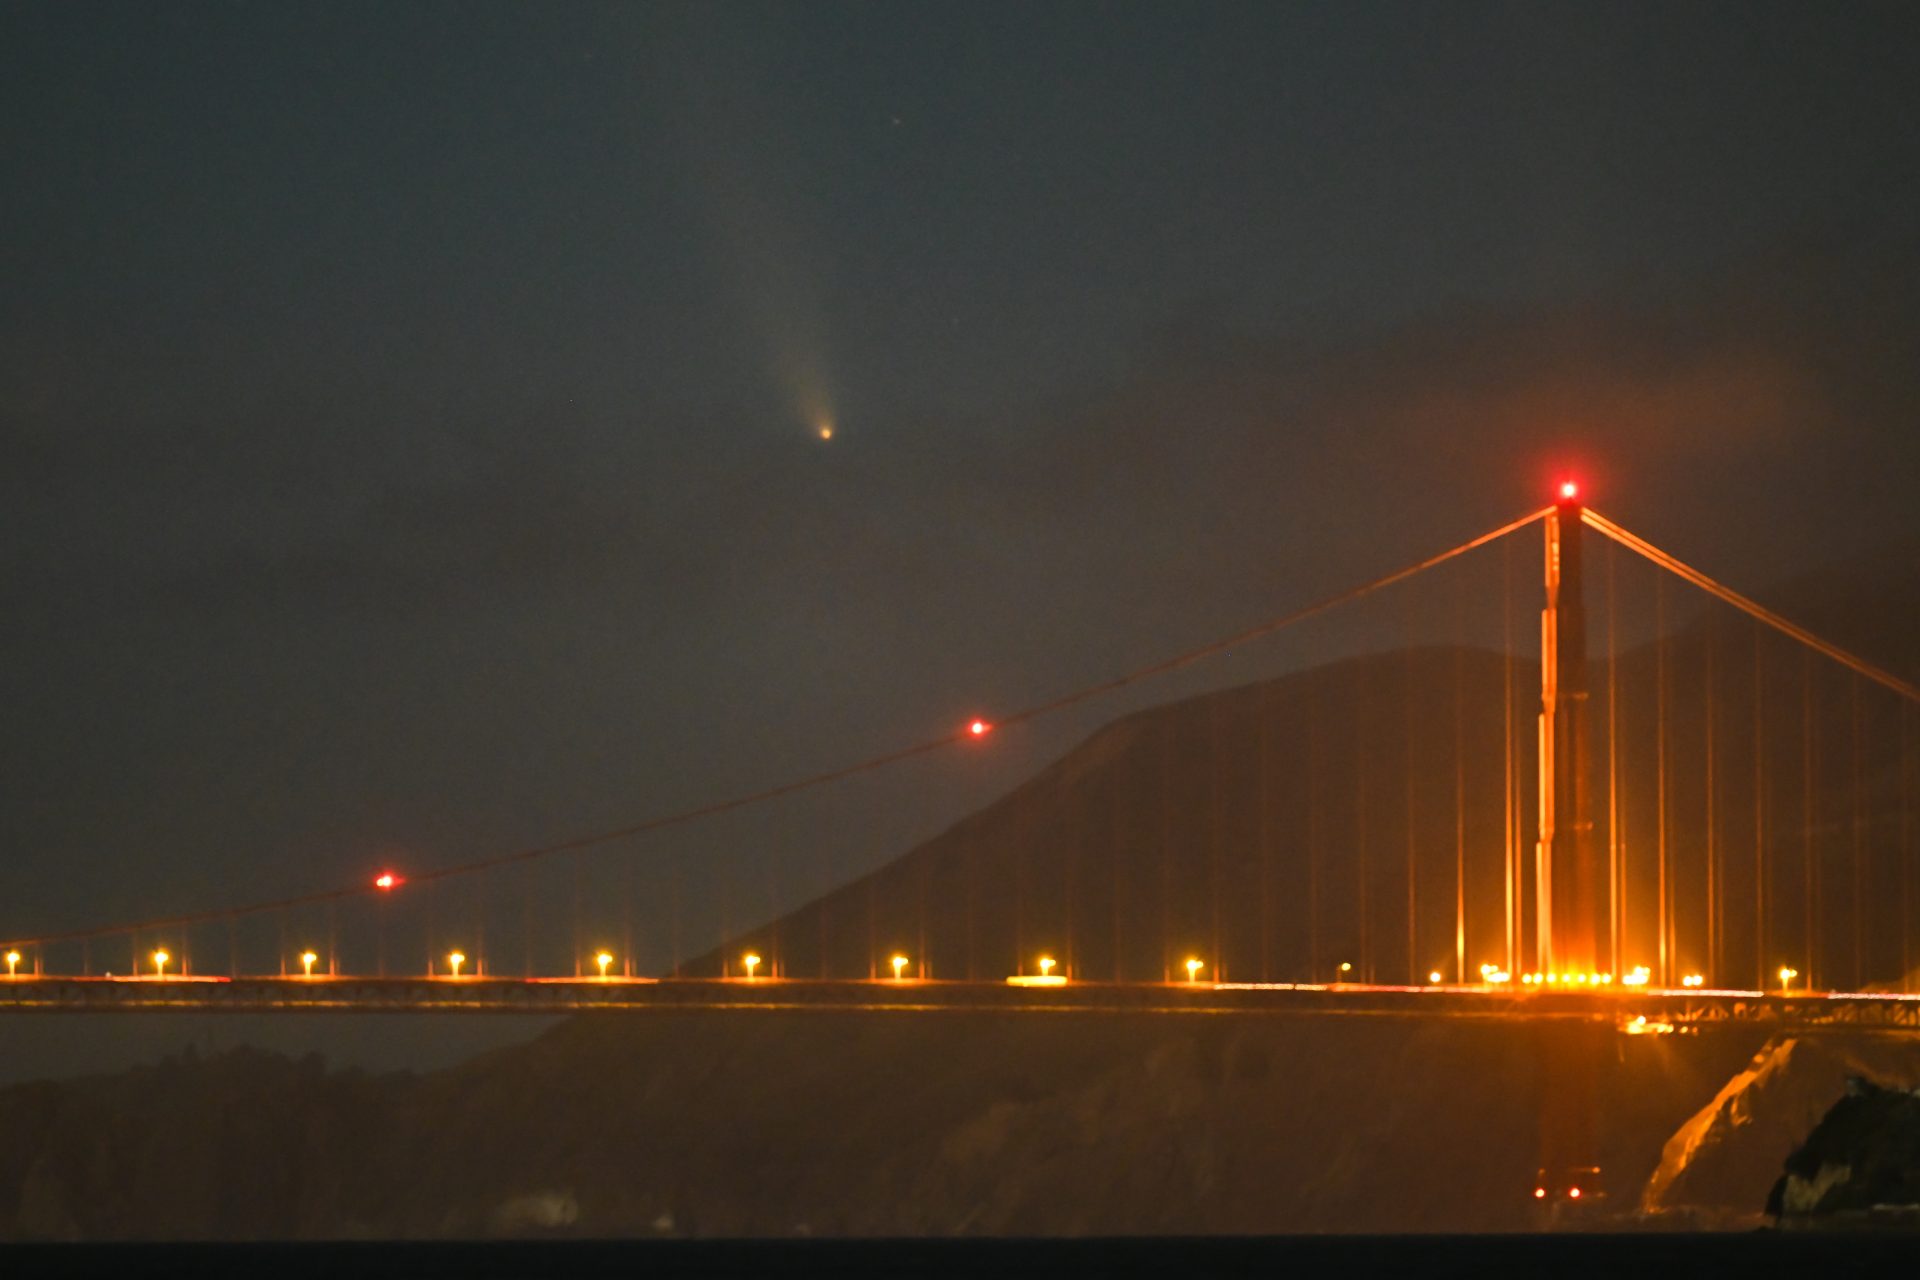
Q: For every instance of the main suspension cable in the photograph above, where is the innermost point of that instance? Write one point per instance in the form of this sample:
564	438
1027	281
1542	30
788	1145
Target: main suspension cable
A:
813	781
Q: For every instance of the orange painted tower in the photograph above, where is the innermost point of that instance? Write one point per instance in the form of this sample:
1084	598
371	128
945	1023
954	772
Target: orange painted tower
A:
1567	900
1567	903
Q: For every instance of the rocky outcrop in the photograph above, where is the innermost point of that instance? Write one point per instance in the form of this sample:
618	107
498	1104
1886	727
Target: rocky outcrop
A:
1721	1162
1862	1158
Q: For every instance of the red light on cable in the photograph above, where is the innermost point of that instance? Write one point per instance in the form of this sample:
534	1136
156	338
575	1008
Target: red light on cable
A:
385	880
1569	491
1573	1193
979	728
1539	1193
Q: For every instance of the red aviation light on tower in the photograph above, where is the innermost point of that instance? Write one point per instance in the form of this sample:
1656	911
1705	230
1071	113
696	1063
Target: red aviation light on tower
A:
387	880
979	729
1569	491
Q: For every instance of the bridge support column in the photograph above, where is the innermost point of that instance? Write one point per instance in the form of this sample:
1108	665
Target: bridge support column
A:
1565	884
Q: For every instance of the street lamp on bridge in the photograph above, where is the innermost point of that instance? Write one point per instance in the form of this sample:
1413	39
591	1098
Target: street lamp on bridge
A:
899	964
307	960
751	961
1786	978
454	960
1194	966
603	959
13	963
160	958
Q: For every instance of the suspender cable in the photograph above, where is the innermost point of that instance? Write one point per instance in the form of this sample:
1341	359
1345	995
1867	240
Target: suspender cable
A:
1217	960
1313	827
1118	885
1414	967
1859	847
1263	830
1906	856
1716	968
1459	783
1762	889
1076	828
1511	890
1360	821
1166	858
479	927
1616	868
1665	891
1811	892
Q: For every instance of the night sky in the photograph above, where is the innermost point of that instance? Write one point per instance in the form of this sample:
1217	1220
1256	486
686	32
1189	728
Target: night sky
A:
411	412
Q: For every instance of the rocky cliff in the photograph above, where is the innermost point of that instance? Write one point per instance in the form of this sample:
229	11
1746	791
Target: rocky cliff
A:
1720	1164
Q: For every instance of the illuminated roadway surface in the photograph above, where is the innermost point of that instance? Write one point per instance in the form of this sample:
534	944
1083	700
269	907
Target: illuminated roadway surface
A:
1642	1009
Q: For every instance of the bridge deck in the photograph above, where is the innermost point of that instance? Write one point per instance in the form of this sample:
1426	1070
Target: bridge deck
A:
1649	1010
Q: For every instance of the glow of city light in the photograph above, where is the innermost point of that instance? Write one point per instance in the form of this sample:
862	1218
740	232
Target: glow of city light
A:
1045	978
899	964
1193	969
160	959
603	959
454	960
751	961
307	959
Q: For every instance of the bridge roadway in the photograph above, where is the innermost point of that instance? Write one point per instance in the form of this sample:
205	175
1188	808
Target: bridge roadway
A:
1635	1010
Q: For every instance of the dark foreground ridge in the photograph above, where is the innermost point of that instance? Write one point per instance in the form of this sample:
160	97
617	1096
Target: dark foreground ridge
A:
795	1125
1859	1166
1429	1257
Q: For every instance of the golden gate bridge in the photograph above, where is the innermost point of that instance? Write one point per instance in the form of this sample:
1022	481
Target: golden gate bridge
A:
1606	903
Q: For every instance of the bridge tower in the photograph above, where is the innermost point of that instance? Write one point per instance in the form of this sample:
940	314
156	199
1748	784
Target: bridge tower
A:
1566	919
1566	898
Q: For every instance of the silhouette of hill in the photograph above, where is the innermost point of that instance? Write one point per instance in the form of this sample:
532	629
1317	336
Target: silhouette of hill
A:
1279	829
